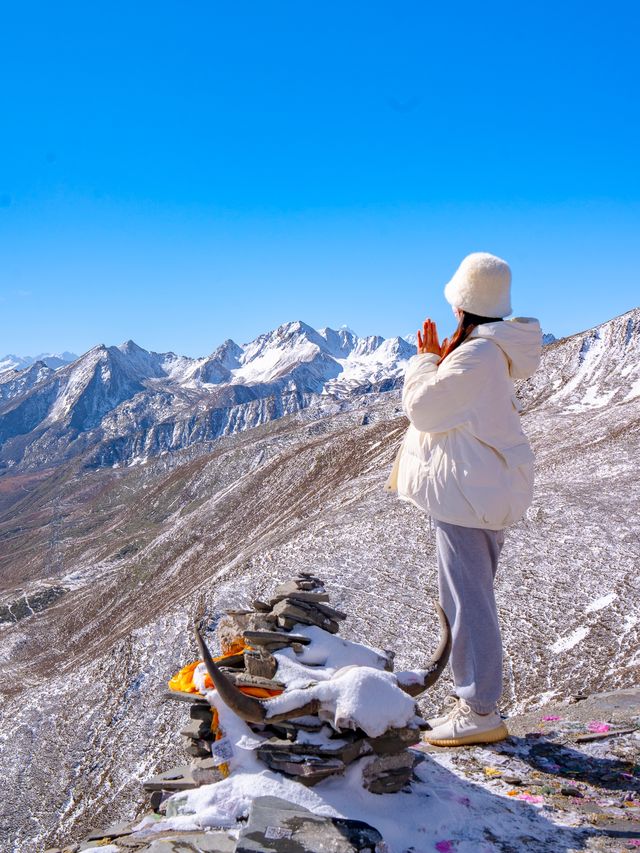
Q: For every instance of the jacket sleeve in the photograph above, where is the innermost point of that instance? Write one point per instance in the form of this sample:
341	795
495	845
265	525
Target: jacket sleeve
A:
435	398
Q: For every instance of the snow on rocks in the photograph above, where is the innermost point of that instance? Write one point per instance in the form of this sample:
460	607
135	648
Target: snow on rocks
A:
335	701
335	711
354	697
567	778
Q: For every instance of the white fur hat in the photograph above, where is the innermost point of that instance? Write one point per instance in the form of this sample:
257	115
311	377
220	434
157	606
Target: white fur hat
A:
481	285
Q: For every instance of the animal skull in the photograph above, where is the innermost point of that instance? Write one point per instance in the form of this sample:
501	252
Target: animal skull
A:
254	710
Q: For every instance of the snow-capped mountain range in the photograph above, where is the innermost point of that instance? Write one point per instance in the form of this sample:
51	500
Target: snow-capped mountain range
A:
128	404
121	405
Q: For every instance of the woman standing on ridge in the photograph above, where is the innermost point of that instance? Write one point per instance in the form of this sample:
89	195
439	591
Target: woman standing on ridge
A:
466	462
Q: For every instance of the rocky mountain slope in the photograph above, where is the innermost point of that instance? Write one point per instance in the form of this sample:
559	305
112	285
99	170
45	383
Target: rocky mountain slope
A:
103	568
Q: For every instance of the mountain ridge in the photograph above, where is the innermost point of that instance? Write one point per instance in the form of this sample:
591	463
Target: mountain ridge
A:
108	394
130	404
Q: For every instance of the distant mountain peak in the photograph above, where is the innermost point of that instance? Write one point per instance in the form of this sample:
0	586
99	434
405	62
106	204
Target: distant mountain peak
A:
63	356
295	327
51	360
228	345
130	346
228	354
286	334
217	367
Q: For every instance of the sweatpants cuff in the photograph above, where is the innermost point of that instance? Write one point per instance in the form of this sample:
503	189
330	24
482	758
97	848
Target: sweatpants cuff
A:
482	709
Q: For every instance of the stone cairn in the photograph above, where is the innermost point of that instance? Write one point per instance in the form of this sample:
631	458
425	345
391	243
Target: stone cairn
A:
301	744
269	627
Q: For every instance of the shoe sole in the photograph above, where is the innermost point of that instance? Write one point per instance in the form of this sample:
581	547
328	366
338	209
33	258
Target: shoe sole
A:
491	736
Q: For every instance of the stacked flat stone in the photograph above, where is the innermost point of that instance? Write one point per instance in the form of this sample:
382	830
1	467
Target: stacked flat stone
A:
198	736
305	748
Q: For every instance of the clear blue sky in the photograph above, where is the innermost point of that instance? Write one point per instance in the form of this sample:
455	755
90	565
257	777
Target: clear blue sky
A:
183	172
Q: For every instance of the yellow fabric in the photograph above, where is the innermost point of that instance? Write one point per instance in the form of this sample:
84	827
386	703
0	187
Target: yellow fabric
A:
183	680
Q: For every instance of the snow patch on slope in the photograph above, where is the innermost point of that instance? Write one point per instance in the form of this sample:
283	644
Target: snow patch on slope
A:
568	642
600	603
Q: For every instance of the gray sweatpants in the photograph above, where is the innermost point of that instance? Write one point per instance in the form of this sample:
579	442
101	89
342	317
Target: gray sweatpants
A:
467	564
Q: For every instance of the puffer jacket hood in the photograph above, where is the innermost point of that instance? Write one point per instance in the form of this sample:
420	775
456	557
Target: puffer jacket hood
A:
520	338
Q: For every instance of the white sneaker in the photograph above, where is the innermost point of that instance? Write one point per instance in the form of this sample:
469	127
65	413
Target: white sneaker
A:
452	702
465	726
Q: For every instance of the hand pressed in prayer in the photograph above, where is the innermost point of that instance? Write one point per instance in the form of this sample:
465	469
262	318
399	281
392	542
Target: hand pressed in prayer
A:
428	341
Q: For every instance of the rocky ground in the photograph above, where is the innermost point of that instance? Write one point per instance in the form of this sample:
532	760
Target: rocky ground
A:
575	761
567	779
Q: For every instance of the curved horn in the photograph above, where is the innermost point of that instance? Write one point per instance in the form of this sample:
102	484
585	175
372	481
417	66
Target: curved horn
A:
436	665
246	707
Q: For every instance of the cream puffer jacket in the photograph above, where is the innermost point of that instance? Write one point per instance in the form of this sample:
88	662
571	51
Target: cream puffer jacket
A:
465	458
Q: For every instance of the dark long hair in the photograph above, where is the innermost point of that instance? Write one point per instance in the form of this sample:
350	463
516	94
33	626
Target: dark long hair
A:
467	324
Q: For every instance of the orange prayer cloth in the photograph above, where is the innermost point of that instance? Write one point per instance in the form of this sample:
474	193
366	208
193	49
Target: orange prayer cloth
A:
183	680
